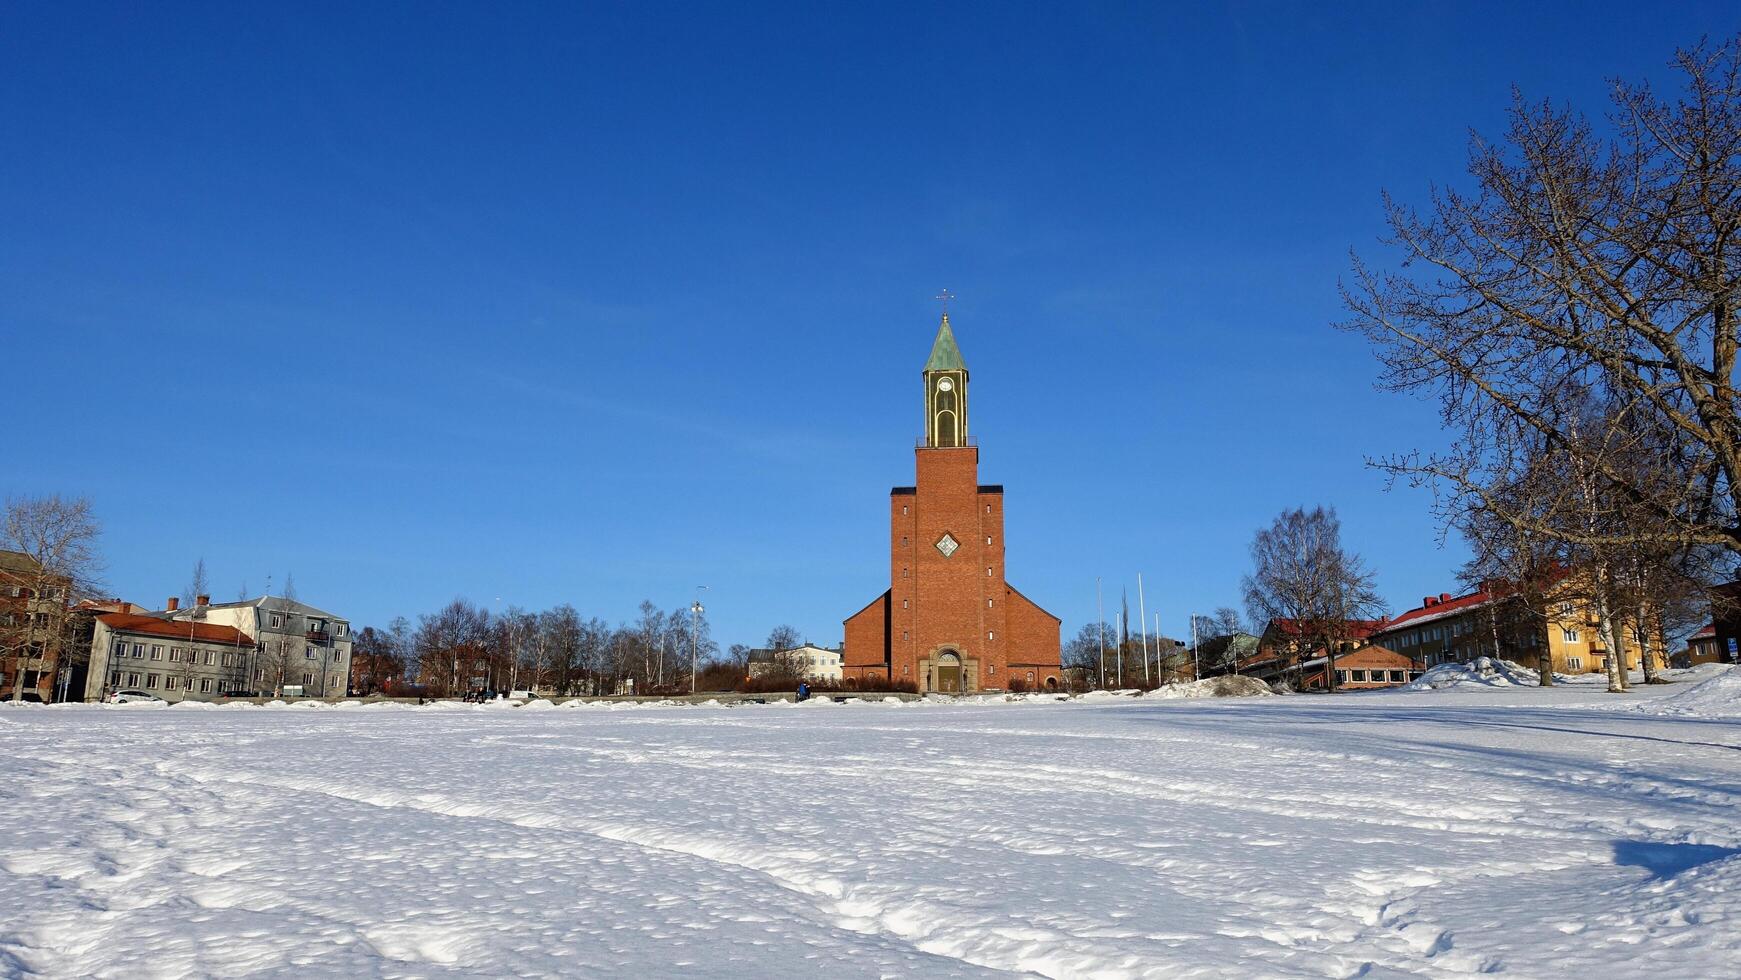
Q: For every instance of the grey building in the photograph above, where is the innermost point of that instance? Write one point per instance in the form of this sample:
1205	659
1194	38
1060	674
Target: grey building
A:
175	660
297	646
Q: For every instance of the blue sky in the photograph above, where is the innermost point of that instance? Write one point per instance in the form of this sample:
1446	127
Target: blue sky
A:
546	303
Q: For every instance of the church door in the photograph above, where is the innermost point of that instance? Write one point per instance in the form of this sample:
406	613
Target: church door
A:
949	673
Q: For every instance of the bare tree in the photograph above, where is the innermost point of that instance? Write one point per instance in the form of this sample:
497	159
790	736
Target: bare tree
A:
57	537
787	663
197	584
1582	269
452	645
1301	573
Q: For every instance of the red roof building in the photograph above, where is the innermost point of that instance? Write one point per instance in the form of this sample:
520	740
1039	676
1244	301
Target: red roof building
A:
176	660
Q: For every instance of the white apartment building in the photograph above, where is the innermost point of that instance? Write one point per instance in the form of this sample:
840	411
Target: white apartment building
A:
819	665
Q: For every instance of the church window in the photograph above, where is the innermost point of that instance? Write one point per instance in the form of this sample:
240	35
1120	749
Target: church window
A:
991	670
988	539
988	571
903	603
991	634
903	634
903	571
988	603
988	508
903	510
903	541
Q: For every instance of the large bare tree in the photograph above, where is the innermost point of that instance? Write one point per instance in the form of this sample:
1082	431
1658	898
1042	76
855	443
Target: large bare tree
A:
58	538
1587	265
1302	574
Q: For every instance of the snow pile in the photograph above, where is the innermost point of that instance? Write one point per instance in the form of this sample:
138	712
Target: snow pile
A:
1480	672
1229	686
1717	697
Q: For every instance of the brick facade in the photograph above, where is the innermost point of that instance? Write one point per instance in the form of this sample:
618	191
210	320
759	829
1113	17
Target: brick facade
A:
949	621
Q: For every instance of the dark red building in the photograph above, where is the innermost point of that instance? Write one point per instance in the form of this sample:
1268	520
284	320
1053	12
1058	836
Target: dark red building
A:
949	622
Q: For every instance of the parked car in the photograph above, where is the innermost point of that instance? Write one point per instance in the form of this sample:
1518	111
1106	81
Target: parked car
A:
128	697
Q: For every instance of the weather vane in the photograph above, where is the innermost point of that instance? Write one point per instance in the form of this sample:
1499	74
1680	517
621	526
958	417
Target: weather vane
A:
944	297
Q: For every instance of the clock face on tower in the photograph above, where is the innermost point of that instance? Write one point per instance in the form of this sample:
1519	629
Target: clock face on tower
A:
947	545
944	384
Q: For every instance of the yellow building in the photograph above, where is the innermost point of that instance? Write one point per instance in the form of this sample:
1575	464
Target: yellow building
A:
1495	622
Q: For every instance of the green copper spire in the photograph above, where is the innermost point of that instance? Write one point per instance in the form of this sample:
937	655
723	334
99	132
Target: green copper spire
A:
945	356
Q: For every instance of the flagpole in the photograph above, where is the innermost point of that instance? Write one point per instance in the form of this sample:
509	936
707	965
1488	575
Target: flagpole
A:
1142	625
1100	611
1194	671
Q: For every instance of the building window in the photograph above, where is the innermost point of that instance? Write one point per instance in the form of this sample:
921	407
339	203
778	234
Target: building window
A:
138	650
175	655
903	571
988	571
991	670
209	658
988	508
132	680
308	653
903	634
205	685
988	539
307	680
991	634
157	651
903	603
1574	663
1569	635
988	603
1030	677
1359	677
277	621
1397	676
1565	609
1342	677
115	678
903	510
342	627
120	649
336	655
151	681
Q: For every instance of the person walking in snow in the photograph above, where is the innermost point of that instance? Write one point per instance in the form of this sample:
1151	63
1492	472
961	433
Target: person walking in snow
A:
803	690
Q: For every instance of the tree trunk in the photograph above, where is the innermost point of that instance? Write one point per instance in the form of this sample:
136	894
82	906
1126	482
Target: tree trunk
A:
1643	635
1616	664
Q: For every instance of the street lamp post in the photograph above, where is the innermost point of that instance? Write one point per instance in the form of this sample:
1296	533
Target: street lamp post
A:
695	611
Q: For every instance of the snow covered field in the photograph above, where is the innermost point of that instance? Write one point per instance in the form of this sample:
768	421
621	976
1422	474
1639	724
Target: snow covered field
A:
1534	833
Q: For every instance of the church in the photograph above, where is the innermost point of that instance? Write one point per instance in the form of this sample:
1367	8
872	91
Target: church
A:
949	622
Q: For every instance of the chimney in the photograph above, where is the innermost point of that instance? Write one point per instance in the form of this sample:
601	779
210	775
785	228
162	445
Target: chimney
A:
1444	597
202	600
174	603
1429	602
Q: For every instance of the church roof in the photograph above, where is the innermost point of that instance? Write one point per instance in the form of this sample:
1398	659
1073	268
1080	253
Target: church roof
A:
945	356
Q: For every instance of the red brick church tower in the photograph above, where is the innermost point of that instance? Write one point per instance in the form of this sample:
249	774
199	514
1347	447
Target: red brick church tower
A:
949	622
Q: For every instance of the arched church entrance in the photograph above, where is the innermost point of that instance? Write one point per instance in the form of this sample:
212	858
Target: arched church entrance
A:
949	672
